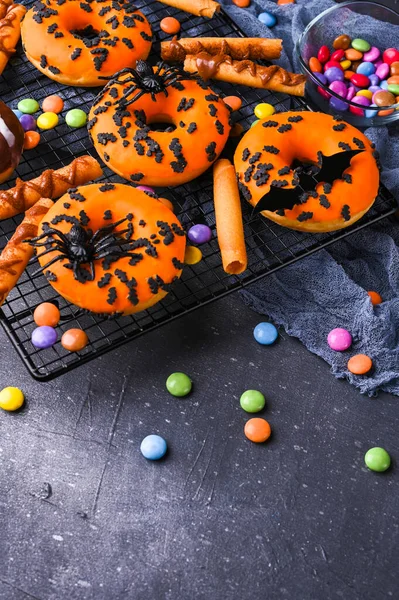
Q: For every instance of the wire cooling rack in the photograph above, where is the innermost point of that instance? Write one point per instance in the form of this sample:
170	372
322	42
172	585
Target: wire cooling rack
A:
270	247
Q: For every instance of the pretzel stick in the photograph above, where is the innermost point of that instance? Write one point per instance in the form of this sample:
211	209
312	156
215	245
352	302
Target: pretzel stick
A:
50	184
10	32
4	6
200	8
237	48
229	225
245	72
16	254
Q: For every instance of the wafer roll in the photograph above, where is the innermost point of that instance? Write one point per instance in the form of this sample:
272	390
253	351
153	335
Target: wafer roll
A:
200	8
238	48
10	32
245	72
4	6
229	225
50	184
16	254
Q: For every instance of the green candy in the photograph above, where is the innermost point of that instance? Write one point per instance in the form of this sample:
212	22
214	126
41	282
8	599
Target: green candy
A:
394	88
76	118
254	123
377	459
28	106
361	45
252	401
179	384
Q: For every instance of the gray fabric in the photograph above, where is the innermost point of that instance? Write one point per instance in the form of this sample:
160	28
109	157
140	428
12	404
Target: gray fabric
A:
329	289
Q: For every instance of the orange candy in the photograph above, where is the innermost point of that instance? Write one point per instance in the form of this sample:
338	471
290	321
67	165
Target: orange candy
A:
170	25
348	74
375	298
46	313
257	430
53	104
394	79
167	203
285	1
352	54
242	3
234	102
31	140
315	65
74	340
360	364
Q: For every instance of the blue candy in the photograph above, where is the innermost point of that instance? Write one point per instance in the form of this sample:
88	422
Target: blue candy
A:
17	112
366	68
267	19
384	85
371	113
265	334
374	79
153	447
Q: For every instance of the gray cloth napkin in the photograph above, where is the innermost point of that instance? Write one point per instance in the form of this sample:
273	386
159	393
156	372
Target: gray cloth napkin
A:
329	289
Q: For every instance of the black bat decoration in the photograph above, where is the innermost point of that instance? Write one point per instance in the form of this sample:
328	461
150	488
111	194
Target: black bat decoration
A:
328	170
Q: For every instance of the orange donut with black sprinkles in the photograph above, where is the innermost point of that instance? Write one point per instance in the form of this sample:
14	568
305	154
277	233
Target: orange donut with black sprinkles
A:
124	114
110	249
79	43
307	171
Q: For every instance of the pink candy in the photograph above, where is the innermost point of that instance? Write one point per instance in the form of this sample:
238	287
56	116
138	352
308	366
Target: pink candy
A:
382	71
339	88
372	55
339	339
351	92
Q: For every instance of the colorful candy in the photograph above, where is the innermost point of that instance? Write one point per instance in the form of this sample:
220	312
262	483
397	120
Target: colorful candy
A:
390	56
334	74
393	88
384	98
74	340
199	234
170	25
338	55
267	19
366	68
31	140
28	106
375	298
53	104
323	54
44	337
257	430
46	313
361	45
252	401
360	364
146	188
377	459
359	80
339	339
192	255
11	398
265	334
342	42
76	118
315	65
372	55
28	123
242	3
47	120
179	384
264	110
153	447
234	102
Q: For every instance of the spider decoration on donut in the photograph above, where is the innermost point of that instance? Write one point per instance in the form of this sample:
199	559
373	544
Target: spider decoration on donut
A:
80	246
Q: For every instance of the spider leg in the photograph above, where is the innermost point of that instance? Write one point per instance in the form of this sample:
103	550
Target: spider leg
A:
59	249
50	232
124	102
54	260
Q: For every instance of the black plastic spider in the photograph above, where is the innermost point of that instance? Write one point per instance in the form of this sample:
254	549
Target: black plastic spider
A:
80	246
146	80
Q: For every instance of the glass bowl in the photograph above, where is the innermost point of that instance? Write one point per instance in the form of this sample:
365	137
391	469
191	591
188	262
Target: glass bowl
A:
369	21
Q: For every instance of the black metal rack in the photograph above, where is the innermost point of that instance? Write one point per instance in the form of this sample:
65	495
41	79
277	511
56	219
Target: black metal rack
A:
270	247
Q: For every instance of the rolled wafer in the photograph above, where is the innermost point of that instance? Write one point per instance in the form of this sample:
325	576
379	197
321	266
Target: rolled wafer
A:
229	225
200	8
16	254
4	6
50	184
245	72
238	48
10	32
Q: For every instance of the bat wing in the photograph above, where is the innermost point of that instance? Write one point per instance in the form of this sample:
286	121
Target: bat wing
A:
278	198
333	167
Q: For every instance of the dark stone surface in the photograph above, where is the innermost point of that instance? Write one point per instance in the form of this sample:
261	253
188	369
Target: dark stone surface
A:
84	516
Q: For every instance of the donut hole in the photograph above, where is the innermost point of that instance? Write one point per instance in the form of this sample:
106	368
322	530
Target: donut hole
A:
161	123
86	32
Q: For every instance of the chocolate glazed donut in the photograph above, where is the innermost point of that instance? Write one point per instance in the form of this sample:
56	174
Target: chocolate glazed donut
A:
11	141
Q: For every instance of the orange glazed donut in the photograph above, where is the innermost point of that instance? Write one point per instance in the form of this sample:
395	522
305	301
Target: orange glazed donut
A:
307	171
80	43
110	249
121	118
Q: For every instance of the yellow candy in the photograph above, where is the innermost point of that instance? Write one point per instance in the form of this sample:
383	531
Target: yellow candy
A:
345	64
365	93
11	398
264	110
192	256
47	120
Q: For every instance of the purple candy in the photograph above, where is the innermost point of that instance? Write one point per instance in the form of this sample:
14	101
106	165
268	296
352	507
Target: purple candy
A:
145	188
374	88
382	71
372	54
338	104
362	100
199	234
320	77
28	123
351	92
374	79
334	74
44	337
339	339
339	88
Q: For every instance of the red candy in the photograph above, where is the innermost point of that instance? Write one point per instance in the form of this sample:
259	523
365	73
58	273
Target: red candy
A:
323	93
356	111
323	54
338	55
332	63
360	80
390	55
